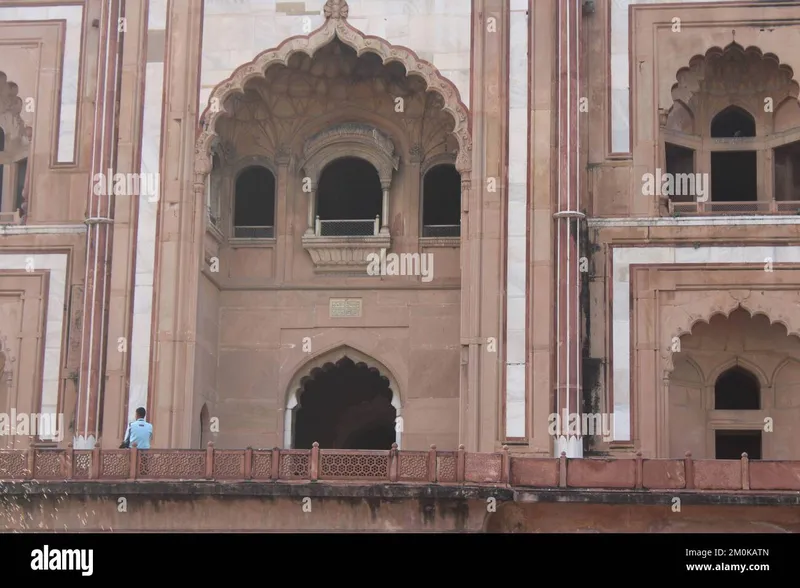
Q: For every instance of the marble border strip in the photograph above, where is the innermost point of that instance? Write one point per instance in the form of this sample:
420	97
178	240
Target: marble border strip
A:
693	221
70	71
622	259
56	263
517	222
619	110
141	330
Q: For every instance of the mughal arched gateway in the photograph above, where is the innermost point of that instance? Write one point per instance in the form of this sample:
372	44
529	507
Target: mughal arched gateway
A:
421	227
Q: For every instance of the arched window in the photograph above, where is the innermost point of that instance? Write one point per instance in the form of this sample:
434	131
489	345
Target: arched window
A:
737	389
441	202
733	173
254	204
349	199
733	122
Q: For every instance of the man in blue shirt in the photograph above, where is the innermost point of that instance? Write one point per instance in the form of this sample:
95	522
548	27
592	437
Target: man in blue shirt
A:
140	431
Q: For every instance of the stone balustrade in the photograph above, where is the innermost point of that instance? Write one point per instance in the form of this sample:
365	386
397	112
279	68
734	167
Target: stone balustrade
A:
396	466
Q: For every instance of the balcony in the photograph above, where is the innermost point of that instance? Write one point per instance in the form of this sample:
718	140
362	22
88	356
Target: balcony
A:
344	245
772	207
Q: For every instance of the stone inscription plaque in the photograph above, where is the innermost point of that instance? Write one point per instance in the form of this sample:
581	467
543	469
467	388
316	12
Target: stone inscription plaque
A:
345	307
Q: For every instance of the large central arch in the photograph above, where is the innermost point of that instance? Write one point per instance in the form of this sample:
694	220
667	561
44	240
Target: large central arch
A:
316	365
335	26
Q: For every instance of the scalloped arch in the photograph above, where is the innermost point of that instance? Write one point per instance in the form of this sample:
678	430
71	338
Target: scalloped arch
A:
304	372
684	94
753	302
310	44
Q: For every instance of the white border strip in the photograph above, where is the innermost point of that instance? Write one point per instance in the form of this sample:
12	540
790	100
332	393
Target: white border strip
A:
68	118
56	263
620	114
146	232
623	258
694	221
517	254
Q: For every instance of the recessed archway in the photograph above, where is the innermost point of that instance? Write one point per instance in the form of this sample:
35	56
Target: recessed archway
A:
343	399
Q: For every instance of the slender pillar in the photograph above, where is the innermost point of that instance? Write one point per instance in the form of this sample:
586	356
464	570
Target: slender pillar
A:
568	219
385	209
98	235
312	198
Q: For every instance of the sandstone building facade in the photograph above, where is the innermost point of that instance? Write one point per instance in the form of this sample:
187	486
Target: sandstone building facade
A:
593	204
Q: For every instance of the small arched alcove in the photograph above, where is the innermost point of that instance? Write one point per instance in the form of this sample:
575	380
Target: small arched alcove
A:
737	389
441	201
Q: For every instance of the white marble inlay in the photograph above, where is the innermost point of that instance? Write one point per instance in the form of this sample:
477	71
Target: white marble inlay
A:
73	15
146	235
623	258
620	115
56	263
517	222
237	30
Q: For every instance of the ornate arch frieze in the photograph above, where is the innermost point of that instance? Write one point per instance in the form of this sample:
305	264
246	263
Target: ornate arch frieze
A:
335	26
778	307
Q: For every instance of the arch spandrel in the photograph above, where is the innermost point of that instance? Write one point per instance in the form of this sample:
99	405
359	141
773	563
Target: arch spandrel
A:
683	319
334	27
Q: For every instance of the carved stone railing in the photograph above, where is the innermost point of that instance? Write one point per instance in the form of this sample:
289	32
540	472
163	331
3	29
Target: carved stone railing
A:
763	207
394	466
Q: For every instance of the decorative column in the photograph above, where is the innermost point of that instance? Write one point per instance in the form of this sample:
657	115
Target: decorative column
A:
312	205
385	207
568	219
98	235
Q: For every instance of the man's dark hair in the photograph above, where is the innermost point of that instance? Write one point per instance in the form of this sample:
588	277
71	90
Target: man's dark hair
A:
141	412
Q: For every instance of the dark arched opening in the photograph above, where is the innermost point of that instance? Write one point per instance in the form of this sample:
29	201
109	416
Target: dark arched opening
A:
349	198
441	202
737	389
733	122
254	204
733	173
205	430
345	406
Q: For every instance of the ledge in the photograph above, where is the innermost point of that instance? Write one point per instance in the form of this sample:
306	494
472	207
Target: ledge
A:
344	254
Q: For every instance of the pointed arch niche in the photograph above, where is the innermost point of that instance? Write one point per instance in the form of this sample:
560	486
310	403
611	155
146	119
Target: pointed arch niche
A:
734	373
326	362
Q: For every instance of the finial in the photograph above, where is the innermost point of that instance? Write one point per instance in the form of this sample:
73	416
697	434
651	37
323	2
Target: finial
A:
336	9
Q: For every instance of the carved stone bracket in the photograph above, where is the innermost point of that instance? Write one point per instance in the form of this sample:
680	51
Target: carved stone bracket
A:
343	254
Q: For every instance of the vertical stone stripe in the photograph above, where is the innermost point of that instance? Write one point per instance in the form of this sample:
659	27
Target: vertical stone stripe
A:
568	220
517	223
98	235
148	209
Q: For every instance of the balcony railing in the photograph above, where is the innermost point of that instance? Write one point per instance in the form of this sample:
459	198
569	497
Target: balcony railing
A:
395	466
254	232
786	207
441	230
347	227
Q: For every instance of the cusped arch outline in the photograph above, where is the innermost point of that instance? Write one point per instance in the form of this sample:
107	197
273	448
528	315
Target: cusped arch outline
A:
683	94
758	373
304	372
754	302
310	44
